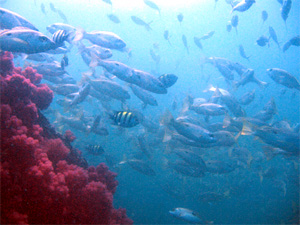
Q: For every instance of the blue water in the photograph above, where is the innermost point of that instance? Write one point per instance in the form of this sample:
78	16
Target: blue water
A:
148	199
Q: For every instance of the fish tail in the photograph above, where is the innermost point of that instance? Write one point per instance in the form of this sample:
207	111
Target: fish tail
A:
247	128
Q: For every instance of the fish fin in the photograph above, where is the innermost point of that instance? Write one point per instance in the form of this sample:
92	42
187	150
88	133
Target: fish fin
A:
237	136
167	118
247	128
94	60
167	136
249	161
261	177
79	34
20	41
226	121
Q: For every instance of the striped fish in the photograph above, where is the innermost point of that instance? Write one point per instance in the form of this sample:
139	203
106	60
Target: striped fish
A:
59	37
95	149
125	119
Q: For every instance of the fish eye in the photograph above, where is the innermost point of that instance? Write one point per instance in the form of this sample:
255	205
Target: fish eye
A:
43	38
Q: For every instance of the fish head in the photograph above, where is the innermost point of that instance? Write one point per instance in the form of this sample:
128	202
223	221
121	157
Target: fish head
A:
44	43
119	43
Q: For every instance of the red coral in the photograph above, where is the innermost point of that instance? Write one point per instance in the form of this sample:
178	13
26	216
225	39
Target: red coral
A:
69	136
37	185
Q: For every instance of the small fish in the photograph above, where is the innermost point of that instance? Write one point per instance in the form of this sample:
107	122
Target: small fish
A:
141	22
208	35
294	41
168	79
167	36
154	56
140	166
62	15
264	16
242	52
81	95
95	149
43	8
143	95
180	17
247	98
197	42
228	27
152	5
113	18
262	41
187	215
285	9
108	2
273	35
52	7
243	6
284	78
185	43
125	119
105	39
235	22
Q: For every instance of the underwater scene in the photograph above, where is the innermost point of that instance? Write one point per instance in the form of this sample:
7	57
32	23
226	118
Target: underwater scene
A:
150	111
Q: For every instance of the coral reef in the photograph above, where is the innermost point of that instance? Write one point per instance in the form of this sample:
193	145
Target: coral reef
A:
39	185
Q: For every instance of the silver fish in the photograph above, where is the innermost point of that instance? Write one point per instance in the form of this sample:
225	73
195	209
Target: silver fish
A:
141	22
208	35
198	42
187	215
247	77
273	35
242	52
9	20
148	82
247	98
110	88
143	95
180	17
284	78
152	5
243	6
184	40
285	9
293	41
62	15
105	39
113	18
25	40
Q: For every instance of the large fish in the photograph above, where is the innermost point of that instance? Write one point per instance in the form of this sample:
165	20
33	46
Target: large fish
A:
105	39
248	77
9	20
110	88
284	78
148	82
24	40
140	166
